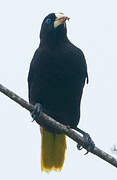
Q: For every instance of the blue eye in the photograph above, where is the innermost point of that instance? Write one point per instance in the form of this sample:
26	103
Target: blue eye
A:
48	21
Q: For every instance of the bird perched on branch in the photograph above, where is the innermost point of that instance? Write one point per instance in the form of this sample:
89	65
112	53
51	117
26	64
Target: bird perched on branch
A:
56	79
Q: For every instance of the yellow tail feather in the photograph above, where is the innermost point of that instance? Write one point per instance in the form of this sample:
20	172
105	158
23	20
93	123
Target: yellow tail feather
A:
52	151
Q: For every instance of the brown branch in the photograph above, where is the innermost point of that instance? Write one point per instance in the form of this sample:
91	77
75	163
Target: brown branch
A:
45	119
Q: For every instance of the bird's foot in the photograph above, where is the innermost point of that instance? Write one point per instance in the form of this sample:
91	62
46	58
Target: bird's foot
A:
36	112
79	147
88	142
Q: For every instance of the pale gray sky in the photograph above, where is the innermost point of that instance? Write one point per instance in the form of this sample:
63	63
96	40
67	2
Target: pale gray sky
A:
93	28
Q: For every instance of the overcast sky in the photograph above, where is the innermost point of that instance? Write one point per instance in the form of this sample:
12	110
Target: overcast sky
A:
93	28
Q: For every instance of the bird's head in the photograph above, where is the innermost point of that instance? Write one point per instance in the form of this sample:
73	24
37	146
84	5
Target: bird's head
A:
54	26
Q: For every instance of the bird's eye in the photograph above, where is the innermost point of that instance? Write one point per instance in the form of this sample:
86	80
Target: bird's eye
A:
48	21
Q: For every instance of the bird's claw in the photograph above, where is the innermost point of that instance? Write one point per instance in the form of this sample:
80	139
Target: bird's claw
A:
89	144
79	147
36	112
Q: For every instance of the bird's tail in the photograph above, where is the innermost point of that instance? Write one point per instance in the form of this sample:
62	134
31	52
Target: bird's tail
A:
52	151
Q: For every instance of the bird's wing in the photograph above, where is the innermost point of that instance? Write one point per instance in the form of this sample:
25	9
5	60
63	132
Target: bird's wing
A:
31	73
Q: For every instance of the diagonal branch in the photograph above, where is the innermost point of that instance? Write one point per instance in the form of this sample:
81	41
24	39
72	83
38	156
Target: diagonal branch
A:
45	119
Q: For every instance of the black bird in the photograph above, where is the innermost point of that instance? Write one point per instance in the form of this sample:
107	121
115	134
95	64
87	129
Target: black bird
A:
56	79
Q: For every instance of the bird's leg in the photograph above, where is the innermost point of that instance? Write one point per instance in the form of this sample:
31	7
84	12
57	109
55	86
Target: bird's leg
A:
36	112
89	144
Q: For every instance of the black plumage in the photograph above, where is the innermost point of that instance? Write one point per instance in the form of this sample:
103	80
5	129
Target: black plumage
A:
57	74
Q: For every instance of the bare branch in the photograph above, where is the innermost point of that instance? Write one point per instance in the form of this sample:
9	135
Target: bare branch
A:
45	119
